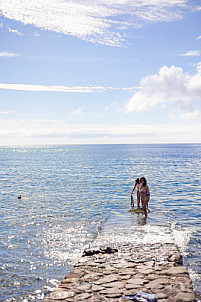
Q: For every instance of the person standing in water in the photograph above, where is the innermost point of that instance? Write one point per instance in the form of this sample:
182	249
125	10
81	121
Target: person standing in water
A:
144	194
137	184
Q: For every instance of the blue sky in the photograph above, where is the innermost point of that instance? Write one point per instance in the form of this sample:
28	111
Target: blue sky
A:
110	71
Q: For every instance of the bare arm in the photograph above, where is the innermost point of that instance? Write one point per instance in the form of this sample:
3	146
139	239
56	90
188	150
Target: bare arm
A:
134	188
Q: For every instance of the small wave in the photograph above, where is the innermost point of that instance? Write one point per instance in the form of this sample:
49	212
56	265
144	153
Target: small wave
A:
181	236
123	228
60	241
194	275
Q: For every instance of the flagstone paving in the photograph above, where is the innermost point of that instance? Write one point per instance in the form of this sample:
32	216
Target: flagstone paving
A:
108	274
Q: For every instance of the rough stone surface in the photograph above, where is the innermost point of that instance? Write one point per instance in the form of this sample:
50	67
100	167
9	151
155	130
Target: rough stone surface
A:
108	274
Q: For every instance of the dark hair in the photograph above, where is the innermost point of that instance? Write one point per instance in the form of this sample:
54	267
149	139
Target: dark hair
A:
137	180
145	182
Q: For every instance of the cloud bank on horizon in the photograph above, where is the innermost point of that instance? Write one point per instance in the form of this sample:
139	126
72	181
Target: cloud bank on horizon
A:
35	131
106	22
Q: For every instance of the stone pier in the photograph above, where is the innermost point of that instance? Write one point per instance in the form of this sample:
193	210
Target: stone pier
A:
109	273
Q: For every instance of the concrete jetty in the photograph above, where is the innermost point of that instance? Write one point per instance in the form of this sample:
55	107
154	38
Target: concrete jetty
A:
108	274
128	257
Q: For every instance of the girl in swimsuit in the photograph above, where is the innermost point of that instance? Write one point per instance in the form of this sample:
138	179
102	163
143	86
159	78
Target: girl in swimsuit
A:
144	194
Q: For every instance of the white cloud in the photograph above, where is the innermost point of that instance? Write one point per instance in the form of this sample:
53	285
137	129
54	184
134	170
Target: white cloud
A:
15	31
8	54
46	88
95	21
191	53
194	115
36	34
107	108
170	85
79	111
8	112
199	37
138	3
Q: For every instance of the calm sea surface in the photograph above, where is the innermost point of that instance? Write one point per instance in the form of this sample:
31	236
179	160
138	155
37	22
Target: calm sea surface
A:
70	194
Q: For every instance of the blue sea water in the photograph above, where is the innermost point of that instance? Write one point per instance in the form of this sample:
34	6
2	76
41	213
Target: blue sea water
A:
70	194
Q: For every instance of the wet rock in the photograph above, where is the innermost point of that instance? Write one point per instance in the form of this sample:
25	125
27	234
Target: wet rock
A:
91	277
82	297
97	288
126	271
102	250
117	284
132	286
61	295
184	297
69	280
145	271
152	277
106	279
176	270
112	292
162	296
155	284
137	281
84	287
96	298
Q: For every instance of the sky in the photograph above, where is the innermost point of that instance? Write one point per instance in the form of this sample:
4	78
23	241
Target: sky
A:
100	72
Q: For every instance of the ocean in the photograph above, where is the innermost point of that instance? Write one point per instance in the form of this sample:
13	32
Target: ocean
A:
70	194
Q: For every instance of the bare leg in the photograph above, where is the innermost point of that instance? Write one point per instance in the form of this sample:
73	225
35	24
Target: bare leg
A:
138	199
144	206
